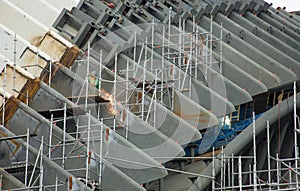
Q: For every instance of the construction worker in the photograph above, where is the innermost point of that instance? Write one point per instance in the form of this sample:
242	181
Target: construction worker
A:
94	80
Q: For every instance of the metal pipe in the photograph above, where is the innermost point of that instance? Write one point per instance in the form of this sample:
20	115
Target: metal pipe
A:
115	91
250	177
77	128
4	86
190	67
126	101
26	157
15	63
56	183
232	170
206	58
87	77
50	72
144	78
161	184
155	92
180	50
240	173
221	49
37	63
64	135
213	170
35	165
295	132
192	154
169	32
277	171
254	154
211	41
222	168
162	66
1	182
100	72
88	150
172	98
196	53
228	172
149	109
290	177
269	154
101	150
194	24
286	165
134	51
152	44
41	165
50	136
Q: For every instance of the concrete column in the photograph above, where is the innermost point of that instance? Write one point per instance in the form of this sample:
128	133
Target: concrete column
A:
0	182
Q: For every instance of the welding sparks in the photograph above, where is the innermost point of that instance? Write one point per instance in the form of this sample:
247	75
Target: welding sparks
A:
112	100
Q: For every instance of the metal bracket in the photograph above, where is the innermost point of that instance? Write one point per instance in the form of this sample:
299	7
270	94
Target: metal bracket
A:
283	29
270	30
228	37
244	7
257	9
251	5
198	13
255	31
214	44
242	34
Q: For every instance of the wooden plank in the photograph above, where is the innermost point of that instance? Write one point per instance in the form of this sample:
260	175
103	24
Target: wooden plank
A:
91	99
60	113
16	137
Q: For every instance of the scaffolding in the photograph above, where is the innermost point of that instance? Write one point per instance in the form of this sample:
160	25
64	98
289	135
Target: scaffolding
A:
232	173
181	55
280	174
66	148
33	180
85	135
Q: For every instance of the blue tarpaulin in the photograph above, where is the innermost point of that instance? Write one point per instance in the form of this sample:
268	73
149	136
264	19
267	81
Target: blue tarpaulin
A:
224	136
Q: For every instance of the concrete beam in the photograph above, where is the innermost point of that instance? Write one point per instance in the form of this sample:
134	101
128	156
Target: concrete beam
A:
258	43
265	36
280	33
286	76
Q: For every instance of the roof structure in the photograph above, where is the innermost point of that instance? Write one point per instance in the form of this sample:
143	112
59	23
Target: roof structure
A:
142	95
